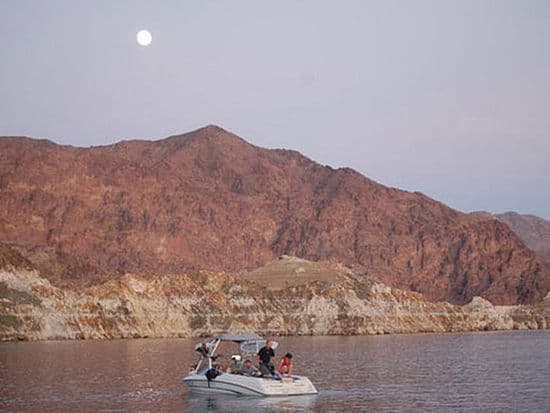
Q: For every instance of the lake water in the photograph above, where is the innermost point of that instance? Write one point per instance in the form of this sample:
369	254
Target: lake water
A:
489	372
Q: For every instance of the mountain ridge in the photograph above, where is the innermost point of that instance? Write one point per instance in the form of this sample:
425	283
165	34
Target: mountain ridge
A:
533	230
210	200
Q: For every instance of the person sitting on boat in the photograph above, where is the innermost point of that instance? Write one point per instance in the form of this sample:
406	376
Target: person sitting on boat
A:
265	355
248	369
203	350
286	364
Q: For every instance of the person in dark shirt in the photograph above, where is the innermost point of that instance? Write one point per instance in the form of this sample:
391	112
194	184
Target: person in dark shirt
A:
265	355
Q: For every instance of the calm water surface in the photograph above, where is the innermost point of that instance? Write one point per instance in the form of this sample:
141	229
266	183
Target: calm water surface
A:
487	372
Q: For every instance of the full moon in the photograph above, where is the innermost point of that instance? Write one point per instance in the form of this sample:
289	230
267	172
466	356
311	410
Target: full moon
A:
144	37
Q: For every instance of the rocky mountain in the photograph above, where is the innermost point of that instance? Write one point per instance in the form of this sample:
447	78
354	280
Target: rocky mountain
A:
533	231
207	303
208	200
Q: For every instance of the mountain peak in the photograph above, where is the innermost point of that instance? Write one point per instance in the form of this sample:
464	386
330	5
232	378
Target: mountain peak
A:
207	135
211	128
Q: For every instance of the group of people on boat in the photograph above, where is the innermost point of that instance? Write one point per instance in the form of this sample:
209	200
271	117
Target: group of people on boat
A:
265	359
265	368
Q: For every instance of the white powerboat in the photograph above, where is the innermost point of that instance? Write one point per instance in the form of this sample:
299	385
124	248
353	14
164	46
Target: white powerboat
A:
208	378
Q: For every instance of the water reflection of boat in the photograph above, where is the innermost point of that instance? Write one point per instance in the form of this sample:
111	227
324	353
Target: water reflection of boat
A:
208	378
246	404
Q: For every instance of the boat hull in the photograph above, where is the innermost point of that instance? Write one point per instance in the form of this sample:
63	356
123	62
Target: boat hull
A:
239	385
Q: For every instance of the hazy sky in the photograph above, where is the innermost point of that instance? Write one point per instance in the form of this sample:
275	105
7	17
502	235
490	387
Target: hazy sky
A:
448	98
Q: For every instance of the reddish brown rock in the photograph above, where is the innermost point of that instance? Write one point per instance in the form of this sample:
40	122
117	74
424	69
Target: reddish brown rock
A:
209	200
533	231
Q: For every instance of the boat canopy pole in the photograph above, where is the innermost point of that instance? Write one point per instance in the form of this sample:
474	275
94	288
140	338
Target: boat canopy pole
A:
209	357
212	353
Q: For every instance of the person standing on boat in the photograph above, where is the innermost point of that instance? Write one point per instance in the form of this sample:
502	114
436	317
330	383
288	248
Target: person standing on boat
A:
265	355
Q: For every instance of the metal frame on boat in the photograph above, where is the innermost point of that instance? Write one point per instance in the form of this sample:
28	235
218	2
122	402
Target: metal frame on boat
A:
207	378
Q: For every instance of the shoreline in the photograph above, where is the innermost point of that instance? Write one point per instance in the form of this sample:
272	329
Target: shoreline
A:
272	336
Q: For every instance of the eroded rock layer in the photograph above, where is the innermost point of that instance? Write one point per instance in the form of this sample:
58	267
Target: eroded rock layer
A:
31	308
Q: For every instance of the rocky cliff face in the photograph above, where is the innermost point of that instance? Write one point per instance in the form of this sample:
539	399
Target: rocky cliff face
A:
31	308
533	231
209	200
